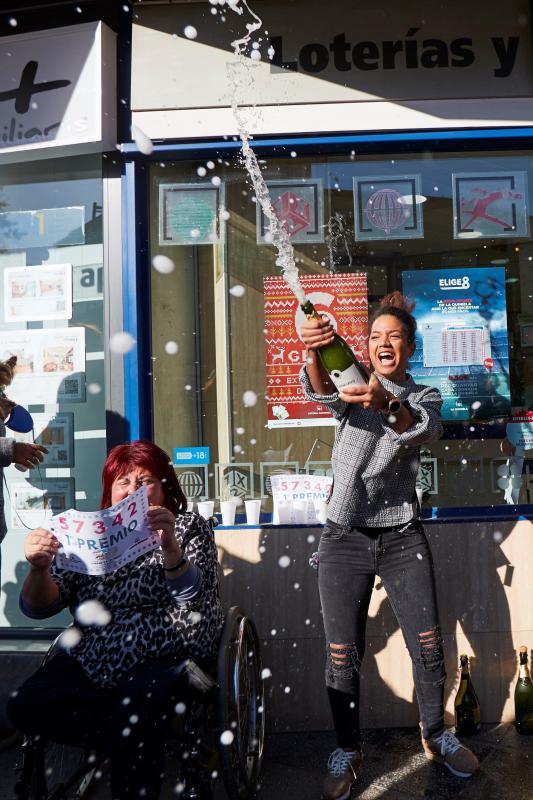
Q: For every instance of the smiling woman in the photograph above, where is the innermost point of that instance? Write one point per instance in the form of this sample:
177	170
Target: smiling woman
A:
374	527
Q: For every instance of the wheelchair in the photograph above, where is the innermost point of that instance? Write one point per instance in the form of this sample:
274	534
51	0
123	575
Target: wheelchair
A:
222	732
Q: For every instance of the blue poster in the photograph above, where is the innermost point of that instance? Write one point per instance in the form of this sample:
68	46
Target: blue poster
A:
462	343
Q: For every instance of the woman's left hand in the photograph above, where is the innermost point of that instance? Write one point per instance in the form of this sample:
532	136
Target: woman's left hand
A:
162	522
372	395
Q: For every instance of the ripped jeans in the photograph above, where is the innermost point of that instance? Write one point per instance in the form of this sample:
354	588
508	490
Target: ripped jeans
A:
349	560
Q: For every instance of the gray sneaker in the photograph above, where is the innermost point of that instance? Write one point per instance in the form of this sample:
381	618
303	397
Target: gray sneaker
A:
343	771
447	749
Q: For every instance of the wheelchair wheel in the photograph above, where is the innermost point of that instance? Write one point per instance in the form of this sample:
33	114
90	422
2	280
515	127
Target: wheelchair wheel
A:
52	771
240	706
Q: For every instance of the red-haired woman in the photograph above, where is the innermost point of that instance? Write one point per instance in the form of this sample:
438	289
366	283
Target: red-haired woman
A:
117	687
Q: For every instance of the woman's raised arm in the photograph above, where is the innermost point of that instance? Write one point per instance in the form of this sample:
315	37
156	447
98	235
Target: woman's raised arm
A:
40	590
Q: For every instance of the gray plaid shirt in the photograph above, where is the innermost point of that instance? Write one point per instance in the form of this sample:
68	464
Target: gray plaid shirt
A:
375	468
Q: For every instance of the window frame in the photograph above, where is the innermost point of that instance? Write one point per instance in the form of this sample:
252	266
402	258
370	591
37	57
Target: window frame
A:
138	406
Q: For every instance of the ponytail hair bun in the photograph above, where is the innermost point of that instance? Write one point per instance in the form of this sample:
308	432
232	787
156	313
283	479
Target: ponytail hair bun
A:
397	300
396	305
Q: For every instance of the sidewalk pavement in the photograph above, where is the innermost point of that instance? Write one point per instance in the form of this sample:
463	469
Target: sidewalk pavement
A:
395	768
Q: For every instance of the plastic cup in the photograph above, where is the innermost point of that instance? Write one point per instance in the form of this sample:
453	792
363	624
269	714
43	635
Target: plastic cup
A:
284	509
190	505
206	508
227	509
253	511
300	512
321	511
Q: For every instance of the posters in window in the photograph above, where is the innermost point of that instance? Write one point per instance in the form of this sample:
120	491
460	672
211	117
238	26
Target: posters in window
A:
50	365
38	293
341	297
299	207
462	341
490	205
519	430
36	500
427	478
191	213
388	207
44	227
236	479
56	433
194	482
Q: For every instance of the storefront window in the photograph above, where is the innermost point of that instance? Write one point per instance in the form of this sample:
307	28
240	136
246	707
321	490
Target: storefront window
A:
51	259
459	221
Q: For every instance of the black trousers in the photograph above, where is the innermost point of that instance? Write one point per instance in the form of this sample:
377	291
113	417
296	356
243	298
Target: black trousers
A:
349	560
129	722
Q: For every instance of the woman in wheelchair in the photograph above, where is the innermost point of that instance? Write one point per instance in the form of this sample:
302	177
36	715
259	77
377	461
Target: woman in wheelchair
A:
116	689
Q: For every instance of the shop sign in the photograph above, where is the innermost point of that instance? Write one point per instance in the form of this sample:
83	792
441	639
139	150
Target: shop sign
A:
194	482
387	207
190	213
490	205
399	52
187	456
235	479
298	205
48	102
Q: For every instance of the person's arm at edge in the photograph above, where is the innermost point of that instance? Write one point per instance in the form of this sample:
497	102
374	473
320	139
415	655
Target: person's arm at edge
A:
6	451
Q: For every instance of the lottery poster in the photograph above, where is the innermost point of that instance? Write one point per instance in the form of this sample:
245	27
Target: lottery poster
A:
56	433
300	495
99	542
519	430
50	365
38	293
462	345
342	298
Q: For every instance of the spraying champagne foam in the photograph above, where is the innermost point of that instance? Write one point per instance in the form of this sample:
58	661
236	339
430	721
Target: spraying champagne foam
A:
280	236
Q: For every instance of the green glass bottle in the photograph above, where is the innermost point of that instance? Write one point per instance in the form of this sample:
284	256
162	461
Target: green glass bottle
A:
338	358
523	697
467	708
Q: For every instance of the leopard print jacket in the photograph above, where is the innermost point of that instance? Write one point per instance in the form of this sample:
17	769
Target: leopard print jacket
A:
146	620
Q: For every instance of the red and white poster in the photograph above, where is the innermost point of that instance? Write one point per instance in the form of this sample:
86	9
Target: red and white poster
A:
343	298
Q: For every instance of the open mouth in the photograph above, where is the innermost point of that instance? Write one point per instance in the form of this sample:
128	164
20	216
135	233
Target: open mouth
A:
386	358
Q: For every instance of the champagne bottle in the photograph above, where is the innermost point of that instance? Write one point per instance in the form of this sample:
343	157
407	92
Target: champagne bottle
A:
523	696
467	709
338	358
